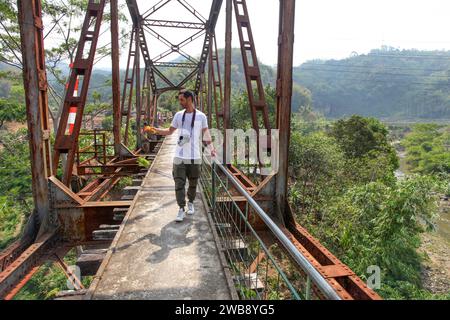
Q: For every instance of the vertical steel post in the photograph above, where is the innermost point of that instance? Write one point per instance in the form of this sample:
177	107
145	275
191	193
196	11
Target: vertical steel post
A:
213	186
284	99
129	82
227	75
155	111
117	119
151	120
209	96
36	99
216	81
138	89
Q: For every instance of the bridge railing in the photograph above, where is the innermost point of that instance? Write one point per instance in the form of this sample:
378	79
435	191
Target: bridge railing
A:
264	263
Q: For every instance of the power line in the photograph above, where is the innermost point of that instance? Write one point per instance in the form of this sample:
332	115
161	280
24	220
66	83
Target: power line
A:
367	67
378	74
418	56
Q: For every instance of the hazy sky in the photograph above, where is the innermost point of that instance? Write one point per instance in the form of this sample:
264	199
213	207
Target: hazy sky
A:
327	28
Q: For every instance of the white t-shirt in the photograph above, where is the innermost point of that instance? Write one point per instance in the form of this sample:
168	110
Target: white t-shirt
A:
191	149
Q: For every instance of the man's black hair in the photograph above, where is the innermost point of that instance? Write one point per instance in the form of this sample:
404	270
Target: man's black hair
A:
187	94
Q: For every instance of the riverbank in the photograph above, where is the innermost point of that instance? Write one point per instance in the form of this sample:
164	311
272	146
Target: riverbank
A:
435	245
436	267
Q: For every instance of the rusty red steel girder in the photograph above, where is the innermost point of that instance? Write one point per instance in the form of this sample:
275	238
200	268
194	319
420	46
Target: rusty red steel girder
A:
10	254
36	98
207	45
174	24
146	98
67	138
216	83
138	102
284	102
346	283
255	89
128	86
226	107
25	262
115	75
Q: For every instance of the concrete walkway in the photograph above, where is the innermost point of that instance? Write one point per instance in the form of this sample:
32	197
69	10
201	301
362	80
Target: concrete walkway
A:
157	258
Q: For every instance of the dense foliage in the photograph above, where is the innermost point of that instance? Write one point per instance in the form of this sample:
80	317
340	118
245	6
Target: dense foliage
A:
344	191
428	149
346	194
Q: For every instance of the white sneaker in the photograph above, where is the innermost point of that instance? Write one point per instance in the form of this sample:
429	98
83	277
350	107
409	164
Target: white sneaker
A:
180	216
191	209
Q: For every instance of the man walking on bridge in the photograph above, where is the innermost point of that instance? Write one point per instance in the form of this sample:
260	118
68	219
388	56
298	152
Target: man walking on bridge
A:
192	125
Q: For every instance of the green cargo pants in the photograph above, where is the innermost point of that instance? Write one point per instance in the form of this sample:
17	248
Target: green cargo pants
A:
181	172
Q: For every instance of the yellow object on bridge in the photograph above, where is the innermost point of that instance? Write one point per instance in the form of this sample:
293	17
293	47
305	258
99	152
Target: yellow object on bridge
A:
151	130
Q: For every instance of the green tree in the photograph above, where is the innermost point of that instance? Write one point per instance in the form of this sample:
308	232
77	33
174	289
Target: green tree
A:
15	186
428	149
95	108
379	224
307	120
301	97
361	137
11	111
317	168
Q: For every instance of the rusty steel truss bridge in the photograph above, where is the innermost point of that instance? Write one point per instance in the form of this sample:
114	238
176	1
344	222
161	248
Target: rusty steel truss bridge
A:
73	181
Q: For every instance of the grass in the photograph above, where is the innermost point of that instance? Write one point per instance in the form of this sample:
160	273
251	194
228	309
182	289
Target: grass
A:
49	281
12	217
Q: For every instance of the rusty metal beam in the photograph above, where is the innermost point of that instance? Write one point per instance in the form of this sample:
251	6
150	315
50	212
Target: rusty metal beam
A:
134	11
173	24
227	73
216	79
284	101
76	95
71	276
210	27
174	47
36	99
340	276
138	90
146	57
30	258
146	96
128	86
155	8
192	10
137	22
209	95
175	65
115	52
258	104
11	253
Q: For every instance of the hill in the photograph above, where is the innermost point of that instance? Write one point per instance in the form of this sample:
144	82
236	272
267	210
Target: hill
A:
386	83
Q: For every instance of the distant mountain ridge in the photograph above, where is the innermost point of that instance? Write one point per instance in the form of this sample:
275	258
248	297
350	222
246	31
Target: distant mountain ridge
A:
386	83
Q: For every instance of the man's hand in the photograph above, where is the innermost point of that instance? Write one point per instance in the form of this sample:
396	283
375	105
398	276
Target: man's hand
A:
213	152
